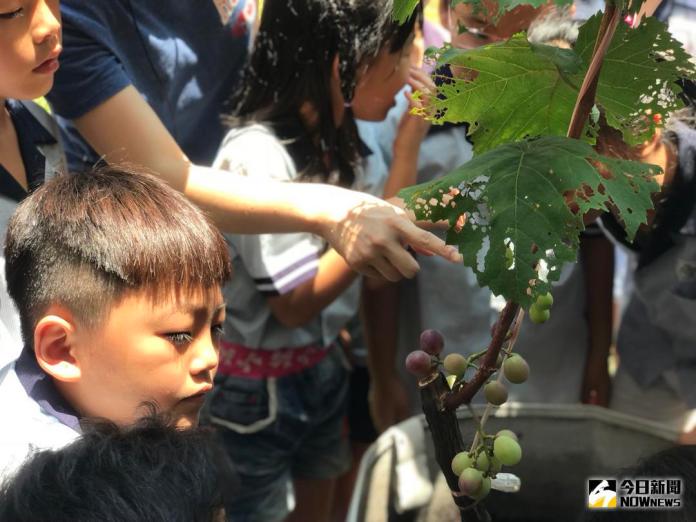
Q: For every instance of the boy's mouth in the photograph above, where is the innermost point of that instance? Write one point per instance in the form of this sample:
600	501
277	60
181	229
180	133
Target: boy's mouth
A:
200	395
51	64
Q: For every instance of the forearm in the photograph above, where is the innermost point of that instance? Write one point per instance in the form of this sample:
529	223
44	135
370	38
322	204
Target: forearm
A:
403	171
597	256
380	315
305	302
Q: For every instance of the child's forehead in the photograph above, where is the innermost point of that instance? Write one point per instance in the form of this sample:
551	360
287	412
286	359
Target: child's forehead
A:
179	300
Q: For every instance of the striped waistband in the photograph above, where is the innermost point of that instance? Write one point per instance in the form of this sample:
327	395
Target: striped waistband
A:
241	361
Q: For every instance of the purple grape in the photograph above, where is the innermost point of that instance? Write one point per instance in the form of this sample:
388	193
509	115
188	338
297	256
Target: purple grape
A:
419	363
431	341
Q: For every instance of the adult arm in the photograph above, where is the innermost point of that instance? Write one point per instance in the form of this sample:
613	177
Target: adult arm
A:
368	232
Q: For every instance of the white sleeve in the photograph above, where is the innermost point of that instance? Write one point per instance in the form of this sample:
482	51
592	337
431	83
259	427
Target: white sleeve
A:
278	263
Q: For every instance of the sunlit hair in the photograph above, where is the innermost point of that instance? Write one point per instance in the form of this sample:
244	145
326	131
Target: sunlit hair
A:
291	64
148	472
82	241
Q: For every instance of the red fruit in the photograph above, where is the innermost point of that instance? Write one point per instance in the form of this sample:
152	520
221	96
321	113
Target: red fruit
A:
419	363
431	341
657	118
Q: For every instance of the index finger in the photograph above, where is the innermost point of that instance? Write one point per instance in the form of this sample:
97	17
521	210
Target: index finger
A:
421	240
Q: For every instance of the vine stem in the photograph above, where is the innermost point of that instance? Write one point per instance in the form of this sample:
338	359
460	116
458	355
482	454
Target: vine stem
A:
488	364
514	331
588	89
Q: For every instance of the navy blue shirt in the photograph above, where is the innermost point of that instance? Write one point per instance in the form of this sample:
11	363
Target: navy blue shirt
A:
183	56
31	135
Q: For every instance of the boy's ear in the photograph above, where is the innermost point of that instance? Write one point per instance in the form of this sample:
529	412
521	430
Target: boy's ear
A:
54	345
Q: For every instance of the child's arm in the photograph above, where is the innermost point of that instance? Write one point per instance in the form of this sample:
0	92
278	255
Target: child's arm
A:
304	302
410	133
597	263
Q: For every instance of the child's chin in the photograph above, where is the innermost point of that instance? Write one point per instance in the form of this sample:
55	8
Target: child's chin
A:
186	421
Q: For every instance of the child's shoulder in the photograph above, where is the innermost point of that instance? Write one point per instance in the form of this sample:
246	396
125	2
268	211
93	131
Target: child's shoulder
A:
255	151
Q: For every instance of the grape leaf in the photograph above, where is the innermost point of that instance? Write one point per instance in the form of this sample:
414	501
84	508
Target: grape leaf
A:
403	9
503	6
519	229
638	77
521	89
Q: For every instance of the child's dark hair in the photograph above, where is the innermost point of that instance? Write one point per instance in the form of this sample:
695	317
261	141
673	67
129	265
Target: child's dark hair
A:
291	64
150	472
82	241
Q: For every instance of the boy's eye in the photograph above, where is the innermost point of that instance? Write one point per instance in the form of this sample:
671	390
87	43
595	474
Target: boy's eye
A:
218	331
12	14
179	338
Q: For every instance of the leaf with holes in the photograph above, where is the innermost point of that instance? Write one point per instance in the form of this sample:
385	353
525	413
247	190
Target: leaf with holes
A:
519	229
639	75
501	7
519	90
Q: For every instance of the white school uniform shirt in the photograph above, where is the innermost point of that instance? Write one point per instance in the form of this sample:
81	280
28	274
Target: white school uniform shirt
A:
28	426
265	264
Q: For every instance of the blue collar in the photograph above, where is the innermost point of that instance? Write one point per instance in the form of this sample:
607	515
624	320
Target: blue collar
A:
31	135
41	388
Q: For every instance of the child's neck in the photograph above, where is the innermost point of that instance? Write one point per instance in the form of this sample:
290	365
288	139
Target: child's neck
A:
10	154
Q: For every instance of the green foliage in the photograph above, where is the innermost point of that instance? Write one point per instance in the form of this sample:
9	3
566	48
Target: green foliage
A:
517	197
521	89
403	9
483	6
638	75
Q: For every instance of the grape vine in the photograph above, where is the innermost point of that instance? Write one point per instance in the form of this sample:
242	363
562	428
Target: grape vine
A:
517	208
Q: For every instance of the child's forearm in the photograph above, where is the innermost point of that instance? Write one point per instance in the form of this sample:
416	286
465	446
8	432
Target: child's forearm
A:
306	301
403	171
597	263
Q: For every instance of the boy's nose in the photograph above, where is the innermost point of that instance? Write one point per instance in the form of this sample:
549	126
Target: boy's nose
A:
46	21
205	359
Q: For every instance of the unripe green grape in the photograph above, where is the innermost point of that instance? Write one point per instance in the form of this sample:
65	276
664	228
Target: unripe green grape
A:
538	315
495	392
431	341
470	481
544	301
507	450
484	490
460	462
483	463
508	433
495	467
455	364
516	369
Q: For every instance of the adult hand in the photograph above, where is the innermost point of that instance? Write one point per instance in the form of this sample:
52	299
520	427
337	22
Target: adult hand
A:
372	235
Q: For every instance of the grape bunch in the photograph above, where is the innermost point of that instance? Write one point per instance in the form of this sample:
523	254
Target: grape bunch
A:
477	468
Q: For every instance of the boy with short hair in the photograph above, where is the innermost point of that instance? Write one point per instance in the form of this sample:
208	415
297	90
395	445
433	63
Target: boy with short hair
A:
117	279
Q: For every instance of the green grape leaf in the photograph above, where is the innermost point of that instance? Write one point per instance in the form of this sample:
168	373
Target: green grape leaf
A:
638	77
403	9
515	201
514	90
519	90
503	6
